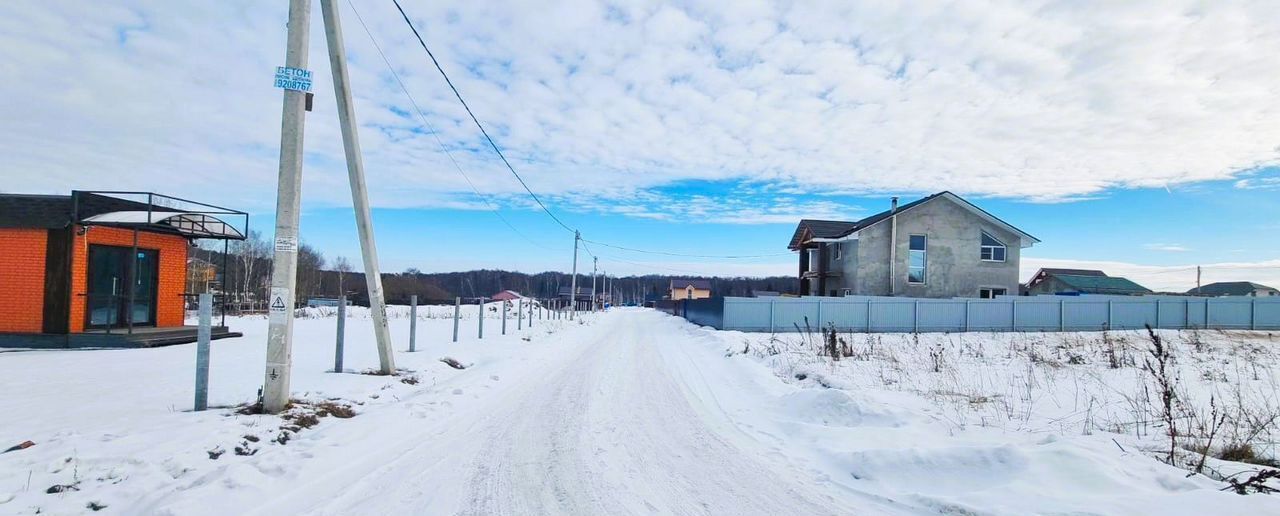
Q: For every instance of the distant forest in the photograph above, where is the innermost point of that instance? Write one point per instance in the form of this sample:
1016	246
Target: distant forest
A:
248	276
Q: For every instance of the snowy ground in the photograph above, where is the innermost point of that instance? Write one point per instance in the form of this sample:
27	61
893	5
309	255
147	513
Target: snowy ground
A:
628	412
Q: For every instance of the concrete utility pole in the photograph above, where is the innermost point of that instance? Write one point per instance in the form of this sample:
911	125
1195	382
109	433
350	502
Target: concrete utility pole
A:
573	285
359	193
275	389
595	263
342	332
1197	280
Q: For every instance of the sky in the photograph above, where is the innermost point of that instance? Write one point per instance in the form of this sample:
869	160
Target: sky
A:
1138	137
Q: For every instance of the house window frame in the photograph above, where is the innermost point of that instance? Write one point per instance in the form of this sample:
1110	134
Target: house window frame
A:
982	249
924	267
1004	291
838	251
815	258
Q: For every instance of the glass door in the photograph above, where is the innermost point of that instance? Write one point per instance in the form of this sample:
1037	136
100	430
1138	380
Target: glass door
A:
110	281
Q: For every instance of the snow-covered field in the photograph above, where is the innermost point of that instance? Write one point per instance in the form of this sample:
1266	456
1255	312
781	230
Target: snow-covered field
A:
626	412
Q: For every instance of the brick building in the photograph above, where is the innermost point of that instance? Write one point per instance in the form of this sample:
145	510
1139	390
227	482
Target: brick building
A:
92	269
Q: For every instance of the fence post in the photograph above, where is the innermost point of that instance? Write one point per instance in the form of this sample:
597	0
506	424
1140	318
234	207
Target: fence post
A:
819	312
967	302
1186	313
1253	313
1157	314
481	312
869	315
1013	310
203	335
915	316
504	317
772	302
1110	317
1062	313
413	323
342	332
457	306
1206	313
520	314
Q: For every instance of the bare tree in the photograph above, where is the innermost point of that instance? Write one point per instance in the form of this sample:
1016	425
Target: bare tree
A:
342	267
310	262
249	252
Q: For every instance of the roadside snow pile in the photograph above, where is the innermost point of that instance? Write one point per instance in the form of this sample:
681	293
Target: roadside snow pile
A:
1030	422
833	407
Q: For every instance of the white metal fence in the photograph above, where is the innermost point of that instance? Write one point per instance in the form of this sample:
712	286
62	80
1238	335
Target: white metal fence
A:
1006	313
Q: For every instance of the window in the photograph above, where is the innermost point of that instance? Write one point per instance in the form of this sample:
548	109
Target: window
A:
916	259
814	259
839	249
991	293
992	250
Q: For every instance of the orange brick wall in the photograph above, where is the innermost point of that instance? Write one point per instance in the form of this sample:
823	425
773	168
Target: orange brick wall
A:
170	310
22	280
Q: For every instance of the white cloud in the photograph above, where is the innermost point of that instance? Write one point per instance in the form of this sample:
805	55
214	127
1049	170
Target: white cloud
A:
1259	183
1044	102
1170	248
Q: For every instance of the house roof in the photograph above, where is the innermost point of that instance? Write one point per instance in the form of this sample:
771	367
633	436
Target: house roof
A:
35	211
828	228
1089	284
819	229
1045	272
1229	288
700	284
1073	272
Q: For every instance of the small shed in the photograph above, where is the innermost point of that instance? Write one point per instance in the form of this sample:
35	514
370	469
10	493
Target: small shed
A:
506	295
102	269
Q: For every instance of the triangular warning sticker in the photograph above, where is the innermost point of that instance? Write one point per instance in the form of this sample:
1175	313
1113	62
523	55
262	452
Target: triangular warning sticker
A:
278	303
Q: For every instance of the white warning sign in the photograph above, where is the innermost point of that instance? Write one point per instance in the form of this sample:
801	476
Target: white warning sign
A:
278	306
287	244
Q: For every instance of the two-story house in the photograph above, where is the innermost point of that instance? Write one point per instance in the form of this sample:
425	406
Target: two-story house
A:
938	246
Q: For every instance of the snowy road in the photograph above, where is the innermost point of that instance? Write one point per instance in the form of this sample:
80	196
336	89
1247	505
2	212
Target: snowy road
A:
611	422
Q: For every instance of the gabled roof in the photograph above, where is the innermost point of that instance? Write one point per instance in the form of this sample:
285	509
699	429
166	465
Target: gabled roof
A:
819	229
699	284
1045	272
831	228
1101	284
1073	272
1229	288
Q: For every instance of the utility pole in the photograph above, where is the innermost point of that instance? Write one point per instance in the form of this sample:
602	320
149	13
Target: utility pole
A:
275	390
359	193
573	284
595	263
1197	280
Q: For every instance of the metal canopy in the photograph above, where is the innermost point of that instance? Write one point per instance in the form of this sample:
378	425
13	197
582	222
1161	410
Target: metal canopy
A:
193	225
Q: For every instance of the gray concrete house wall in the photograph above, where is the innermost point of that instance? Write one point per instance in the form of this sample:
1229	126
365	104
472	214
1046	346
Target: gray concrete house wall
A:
954	267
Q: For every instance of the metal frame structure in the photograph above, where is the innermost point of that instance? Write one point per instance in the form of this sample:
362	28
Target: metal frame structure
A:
191	228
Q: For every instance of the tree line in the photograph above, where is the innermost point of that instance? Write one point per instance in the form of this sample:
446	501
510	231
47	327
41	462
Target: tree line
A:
247	279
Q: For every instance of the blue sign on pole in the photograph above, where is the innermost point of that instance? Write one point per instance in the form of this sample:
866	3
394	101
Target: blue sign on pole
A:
290	78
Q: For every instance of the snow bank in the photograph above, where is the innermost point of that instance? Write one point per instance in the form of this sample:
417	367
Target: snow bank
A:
998	423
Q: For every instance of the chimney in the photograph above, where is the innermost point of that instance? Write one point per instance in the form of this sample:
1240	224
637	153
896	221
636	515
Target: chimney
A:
893	205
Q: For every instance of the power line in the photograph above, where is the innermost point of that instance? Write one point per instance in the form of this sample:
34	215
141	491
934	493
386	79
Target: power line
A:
683	255
435	134
477	120
503	157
